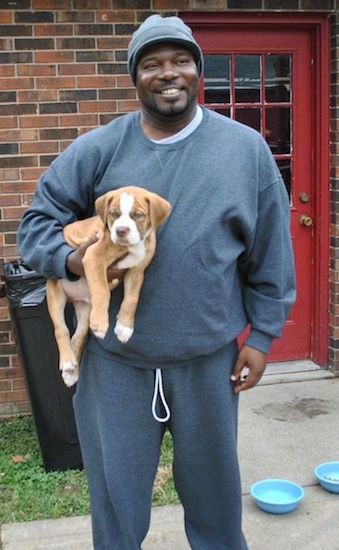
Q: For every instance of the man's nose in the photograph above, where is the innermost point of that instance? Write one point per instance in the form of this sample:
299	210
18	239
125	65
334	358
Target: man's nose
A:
169	71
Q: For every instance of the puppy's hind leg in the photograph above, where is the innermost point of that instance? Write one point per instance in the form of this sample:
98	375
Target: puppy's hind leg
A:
56	302
70	373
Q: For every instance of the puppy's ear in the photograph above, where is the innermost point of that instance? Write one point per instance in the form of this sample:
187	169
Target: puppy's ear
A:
102	204
159	209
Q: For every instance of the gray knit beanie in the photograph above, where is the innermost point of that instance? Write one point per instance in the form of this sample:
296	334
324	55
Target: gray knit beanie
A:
157	29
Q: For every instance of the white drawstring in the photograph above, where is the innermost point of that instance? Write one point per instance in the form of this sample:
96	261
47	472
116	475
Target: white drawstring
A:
159	389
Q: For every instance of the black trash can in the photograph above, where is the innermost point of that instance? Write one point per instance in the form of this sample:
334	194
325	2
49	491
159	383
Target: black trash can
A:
51	399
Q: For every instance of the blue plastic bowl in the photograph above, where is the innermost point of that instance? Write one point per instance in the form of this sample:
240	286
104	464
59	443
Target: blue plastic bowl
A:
328	476
277	496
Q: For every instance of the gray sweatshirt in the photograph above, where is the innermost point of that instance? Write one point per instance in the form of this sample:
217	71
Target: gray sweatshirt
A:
224	257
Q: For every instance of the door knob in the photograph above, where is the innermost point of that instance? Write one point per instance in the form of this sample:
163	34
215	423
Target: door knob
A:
305	220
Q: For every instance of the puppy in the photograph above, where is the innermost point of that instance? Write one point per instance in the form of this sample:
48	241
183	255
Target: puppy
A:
125	223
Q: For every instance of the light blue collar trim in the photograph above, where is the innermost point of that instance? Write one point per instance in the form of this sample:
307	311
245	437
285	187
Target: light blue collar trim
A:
184	132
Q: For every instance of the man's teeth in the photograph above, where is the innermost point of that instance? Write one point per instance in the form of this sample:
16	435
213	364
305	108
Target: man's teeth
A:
170	91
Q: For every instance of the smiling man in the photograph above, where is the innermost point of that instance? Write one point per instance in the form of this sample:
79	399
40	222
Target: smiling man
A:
224	261
168	83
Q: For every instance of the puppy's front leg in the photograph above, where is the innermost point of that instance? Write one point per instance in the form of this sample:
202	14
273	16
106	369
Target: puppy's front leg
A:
124	327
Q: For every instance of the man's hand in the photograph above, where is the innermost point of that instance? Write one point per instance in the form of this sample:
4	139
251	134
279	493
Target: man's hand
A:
113	272
254	361
74	262
74	259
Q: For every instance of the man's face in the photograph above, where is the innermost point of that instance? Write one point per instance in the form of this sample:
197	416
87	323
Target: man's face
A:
167	80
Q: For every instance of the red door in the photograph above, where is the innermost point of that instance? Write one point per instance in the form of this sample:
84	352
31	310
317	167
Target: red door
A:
262	74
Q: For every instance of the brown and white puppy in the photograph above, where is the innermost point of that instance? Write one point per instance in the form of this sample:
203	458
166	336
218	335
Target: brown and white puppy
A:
125	223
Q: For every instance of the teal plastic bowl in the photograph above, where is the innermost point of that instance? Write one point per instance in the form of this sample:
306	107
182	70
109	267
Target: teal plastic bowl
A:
277	496
328	476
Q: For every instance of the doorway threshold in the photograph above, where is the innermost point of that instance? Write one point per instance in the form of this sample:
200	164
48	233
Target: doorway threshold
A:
294	371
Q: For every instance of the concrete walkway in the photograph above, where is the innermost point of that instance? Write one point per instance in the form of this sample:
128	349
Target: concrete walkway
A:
288	425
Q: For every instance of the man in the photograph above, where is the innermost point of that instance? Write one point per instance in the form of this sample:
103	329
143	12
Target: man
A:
223	260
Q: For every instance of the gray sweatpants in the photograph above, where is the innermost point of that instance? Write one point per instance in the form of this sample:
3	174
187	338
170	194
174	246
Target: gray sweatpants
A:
120	441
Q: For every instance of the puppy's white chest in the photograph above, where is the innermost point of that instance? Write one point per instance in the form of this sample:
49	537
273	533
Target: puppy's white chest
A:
136	254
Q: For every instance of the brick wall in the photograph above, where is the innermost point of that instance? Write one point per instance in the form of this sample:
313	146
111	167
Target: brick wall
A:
62	72
334	208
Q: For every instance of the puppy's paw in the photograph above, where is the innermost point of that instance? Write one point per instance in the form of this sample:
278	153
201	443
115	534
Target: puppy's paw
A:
122	332
99	333
99	329
69	373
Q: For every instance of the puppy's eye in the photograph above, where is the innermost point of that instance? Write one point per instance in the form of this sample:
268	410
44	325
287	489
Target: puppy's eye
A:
137	215
114	214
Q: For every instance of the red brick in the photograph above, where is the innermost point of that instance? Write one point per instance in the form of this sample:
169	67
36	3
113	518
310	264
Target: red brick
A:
128	105
97	106
36	70
79	120
5	385
115	16
50	4
6	44
183	4
10	200
53	30
39	147
7	70
52	56
92	4
18	384
74	16
8	174
124	81
9	122
6	17
16	83
56	82
79	68
96	81
13	396
31	174
113	42
13	214
37	96
9	252
39	121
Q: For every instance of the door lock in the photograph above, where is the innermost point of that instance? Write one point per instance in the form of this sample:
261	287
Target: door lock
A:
304	197
305	220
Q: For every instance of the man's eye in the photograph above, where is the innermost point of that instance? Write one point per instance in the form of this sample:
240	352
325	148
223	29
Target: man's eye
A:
150	66
183	61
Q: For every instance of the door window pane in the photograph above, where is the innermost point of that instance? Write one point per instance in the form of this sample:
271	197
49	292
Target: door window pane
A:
247	78
249	116
285	169
278	78
278	128
217	78
222	111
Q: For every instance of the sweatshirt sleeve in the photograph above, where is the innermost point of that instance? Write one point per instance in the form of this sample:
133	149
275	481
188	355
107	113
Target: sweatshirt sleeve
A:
268	268
65	192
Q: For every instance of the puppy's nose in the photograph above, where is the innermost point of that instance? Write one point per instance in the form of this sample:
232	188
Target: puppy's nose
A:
122	231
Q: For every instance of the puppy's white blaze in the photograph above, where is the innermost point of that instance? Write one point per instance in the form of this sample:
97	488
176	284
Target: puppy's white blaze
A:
125	220
126	204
